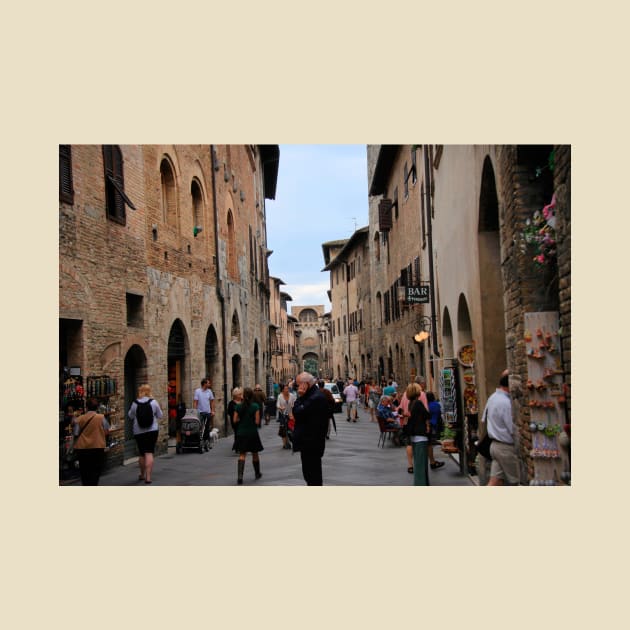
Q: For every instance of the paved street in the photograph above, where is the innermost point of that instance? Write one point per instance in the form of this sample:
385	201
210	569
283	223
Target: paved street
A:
352	458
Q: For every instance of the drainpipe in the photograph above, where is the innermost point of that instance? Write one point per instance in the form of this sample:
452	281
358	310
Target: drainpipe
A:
219	292
427	192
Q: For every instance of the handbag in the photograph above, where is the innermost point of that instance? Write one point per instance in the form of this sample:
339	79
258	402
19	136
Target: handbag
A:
483	446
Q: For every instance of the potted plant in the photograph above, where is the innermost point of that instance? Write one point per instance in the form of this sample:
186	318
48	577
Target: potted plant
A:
448	440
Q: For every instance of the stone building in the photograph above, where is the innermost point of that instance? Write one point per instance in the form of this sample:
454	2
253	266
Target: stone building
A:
163	274
456	223
348	264
283	335
310	326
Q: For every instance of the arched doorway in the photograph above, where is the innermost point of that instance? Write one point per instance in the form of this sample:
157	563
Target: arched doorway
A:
492	350
178	370
237	376
447	335
257	375
468	397
212	355
135	375
310	361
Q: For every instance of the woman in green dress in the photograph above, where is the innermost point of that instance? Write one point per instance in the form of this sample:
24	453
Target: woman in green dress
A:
246	422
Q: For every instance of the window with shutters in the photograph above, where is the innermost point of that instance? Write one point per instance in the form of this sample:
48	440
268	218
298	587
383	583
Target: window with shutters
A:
66	189
115	196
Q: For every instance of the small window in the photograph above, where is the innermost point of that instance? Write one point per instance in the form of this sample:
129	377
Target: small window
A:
406	176
115	197
135	311
66	189
414	168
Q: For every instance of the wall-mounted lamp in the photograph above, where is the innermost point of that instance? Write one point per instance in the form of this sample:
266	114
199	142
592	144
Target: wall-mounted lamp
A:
425	329
196	230
242	196
154	231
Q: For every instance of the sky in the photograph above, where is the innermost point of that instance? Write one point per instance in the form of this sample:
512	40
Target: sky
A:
321	196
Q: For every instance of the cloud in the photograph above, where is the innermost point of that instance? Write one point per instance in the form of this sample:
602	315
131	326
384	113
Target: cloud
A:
308	295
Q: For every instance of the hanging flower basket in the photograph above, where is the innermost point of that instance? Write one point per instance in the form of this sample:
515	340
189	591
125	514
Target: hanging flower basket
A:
539	233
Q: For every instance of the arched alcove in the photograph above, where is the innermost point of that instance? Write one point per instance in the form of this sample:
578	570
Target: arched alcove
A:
492	347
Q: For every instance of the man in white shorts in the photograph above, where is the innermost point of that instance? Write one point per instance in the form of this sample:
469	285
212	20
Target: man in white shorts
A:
500	427
351	393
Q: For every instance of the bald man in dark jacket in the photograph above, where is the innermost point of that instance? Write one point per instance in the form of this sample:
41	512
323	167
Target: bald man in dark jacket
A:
311	424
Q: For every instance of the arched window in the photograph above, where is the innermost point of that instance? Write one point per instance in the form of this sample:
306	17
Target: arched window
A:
169	193
377	247
197	206
308	315
231	247
236	327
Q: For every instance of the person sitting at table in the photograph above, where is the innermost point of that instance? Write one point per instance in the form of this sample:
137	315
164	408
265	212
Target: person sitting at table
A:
386	412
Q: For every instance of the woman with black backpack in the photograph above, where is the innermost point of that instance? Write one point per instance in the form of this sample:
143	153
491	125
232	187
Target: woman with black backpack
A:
145	413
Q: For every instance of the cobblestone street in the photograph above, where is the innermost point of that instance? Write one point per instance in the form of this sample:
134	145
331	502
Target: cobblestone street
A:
352	458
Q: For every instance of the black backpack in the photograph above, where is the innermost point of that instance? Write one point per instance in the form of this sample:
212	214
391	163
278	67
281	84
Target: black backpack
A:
144	414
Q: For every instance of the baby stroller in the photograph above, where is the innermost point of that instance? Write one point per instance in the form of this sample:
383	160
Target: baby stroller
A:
192	431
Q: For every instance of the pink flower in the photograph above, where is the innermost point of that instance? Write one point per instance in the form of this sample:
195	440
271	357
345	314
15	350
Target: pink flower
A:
540	259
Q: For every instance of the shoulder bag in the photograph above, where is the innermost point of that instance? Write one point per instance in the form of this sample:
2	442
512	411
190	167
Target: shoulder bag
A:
483	446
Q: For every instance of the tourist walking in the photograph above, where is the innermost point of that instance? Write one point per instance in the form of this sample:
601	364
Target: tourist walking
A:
351	392
203	402
285	402
237	399
500	427
311	420
247	421
145	413
90	439
418	428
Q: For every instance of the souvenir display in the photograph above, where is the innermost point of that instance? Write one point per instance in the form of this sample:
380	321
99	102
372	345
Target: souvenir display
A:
544	388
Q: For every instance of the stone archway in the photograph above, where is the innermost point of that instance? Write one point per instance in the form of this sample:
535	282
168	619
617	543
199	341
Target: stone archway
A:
135	374
492	352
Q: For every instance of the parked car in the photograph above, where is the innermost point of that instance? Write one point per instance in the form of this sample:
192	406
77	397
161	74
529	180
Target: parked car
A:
336	395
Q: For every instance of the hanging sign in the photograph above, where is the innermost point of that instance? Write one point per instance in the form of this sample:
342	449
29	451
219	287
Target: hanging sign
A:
417	294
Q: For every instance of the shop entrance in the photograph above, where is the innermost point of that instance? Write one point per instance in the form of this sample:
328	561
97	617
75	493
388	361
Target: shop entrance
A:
179	385
237	377
135	375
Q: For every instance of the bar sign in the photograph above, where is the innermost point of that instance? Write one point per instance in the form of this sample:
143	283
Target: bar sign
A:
417	294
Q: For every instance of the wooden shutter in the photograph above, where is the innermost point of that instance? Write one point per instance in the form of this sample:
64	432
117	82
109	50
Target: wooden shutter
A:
385	215
66	189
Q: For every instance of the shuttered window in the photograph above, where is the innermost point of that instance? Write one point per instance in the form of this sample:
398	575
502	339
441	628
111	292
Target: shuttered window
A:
66	190
115	197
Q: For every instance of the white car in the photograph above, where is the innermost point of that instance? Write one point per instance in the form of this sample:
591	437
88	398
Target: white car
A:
336	395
